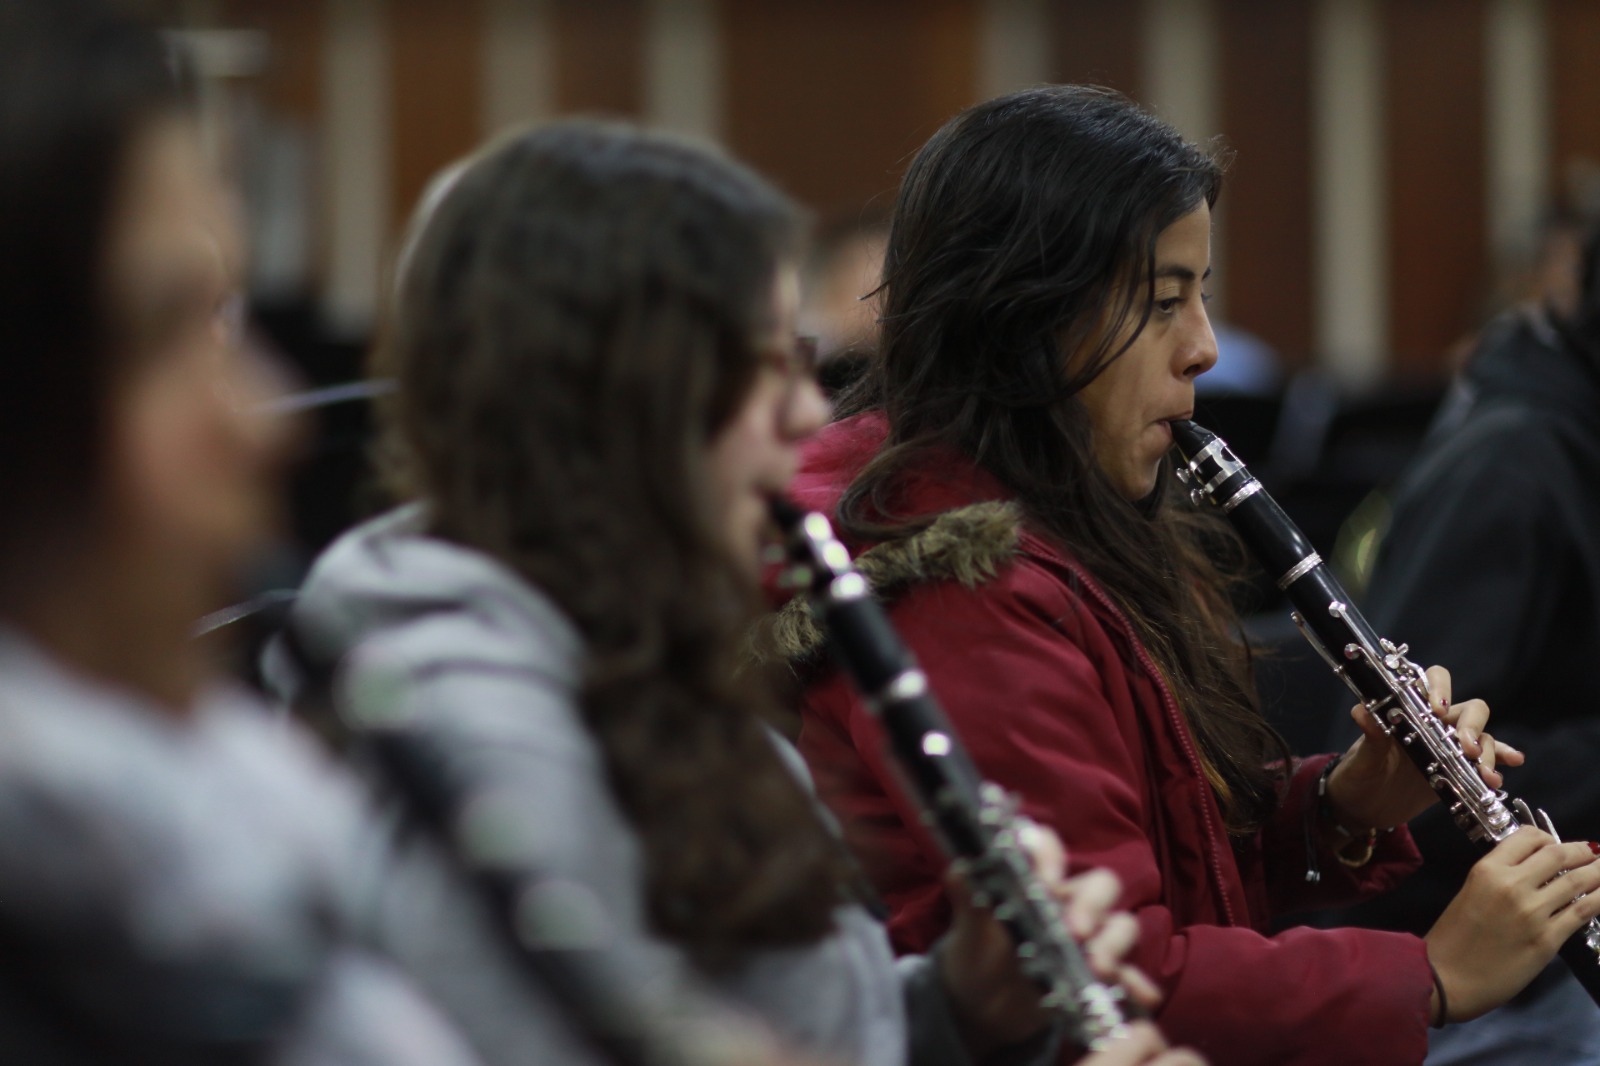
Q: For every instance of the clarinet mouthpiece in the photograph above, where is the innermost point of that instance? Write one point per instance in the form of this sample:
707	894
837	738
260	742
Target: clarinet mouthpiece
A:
1190	437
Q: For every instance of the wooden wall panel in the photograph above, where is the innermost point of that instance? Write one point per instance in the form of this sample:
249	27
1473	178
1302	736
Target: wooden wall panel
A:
435	91
599	51
1266	119
1574	36
832	97
292	84
1100	42
1433	65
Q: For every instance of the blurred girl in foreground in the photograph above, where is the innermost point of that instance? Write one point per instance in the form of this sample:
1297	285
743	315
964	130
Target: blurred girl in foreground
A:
173	865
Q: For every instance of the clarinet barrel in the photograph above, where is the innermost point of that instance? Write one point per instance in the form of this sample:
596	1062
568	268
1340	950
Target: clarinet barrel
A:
1393	689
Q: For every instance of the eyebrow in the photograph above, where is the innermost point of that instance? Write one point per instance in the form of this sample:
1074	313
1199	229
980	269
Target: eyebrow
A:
1182	273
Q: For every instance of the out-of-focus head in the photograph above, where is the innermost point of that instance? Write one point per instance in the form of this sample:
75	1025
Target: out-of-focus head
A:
1021	263
593	329
122	400
593	341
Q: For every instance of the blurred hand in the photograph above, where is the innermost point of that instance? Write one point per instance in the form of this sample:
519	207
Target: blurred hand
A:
996	1004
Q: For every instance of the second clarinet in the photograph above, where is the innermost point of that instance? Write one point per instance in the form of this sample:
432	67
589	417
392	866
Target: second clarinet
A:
975	819
1392	687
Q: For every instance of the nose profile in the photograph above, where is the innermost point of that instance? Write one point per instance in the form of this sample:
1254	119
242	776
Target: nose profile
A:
1199	354
807	411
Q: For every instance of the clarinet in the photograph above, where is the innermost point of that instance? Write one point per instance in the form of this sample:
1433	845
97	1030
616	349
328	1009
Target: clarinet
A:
975	820
1393	689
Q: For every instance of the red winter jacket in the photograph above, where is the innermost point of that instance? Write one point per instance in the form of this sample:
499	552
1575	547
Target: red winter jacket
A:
1058	701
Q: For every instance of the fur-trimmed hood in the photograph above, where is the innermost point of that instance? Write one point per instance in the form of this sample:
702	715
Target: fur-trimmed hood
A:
968	544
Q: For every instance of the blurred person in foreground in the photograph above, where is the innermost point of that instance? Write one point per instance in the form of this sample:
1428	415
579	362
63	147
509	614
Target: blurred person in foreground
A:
1006	468
1491	564
598	397
172	862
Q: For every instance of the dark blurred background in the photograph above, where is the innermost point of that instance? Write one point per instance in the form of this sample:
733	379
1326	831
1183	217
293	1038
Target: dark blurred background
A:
1402	170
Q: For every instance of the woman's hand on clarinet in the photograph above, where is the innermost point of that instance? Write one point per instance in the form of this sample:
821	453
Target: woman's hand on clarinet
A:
1517	906
1376	786
997	1005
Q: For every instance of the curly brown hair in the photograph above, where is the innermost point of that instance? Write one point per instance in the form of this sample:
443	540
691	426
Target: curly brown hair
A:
574	320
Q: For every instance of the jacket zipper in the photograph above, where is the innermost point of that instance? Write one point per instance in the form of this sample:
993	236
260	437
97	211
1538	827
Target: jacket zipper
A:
1168	702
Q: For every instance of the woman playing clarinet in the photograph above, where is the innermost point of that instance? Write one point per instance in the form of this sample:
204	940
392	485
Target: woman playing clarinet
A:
1004	468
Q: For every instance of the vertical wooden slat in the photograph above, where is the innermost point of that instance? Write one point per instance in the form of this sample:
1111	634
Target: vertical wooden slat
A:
600	56
1349	191
292	83
1266	119
832	97
1018	45
435	90
683	67
1518	182
1434	68
290	91
1179	56
1574	42
355	155
1100	42
518	53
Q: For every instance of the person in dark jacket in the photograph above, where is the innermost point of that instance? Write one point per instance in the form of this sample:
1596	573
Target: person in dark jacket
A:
1491	565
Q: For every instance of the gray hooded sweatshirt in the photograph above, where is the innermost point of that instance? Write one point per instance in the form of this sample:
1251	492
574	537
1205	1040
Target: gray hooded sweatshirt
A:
185	890
491	670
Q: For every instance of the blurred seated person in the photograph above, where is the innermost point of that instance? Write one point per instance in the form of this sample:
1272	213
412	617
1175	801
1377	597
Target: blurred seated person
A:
1491	566
172	861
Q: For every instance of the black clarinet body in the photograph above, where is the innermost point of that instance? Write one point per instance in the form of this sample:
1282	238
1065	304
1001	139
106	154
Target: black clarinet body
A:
975	820
1392	687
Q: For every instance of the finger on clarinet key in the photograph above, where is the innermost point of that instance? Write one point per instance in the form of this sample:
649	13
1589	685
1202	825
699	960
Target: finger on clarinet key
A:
1437	680
1486	760
1089	898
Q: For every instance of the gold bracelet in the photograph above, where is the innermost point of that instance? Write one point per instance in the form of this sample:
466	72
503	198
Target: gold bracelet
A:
1366	842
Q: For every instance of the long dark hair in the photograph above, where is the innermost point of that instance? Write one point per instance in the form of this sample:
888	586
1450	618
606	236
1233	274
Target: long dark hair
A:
575	320
1023	243
78	84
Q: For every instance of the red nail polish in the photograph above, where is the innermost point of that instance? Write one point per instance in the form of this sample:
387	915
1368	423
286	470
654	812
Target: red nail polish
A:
1593	846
